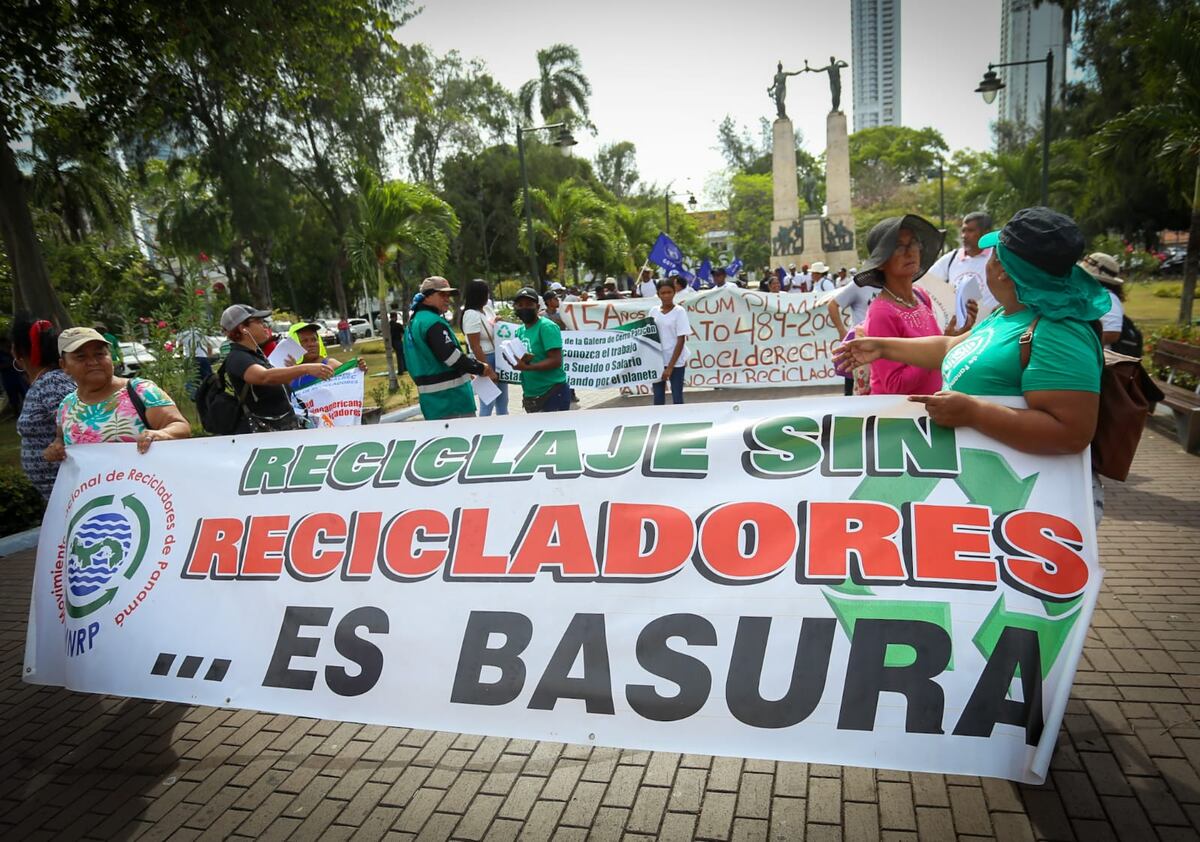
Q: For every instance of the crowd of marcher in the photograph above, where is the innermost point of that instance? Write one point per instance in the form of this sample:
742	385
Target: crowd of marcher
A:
1032	316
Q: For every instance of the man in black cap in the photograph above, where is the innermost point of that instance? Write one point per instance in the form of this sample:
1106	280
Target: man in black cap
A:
543	380
718	276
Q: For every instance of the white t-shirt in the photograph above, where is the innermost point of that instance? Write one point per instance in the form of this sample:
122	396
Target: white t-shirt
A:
826	284
671	326
648	289
854	300
968	277
484	323
1113	320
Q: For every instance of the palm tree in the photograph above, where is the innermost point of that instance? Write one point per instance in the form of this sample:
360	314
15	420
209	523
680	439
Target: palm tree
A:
398	221
561	90
1014	180
570	216
74	179
637	229
1168	125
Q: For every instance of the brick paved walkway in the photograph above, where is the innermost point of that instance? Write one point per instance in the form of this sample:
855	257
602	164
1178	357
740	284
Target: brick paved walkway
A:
1127	764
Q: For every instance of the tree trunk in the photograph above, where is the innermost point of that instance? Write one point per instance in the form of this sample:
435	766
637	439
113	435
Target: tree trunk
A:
31	282
339	287
260	286
1191	261
384	318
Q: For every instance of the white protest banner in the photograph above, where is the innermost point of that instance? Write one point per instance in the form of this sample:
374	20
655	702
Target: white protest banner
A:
739	337
338	401
598	359
833	580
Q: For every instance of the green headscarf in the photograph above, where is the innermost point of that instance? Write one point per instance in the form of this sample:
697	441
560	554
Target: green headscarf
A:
1076	295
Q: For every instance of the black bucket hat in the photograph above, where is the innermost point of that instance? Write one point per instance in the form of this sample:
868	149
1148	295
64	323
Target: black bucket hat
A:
881	242
1038	249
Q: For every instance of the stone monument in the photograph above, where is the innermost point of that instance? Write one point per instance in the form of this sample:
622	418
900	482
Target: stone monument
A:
788	232
829	238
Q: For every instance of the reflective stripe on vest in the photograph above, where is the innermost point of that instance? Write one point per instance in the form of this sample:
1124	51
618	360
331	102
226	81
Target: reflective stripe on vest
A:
430	388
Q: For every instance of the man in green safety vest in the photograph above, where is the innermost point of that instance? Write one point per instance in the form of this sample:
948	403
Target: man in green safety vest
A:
436	361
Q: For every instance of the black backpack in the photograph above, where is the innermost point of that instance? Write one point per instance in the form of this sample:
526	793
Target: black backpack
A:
219	408
1131	343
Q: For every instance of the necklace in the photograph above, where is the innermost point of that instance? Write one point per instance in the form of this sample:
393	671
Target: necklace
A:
903	301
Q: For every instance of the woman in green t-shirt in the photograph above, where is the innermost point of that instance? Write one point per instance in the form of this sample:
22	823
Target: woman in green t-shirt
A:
1033	274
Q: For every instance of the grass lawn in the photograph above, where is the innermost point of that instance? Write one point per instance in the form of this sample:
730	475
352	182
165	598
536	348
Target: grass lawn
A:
1147	310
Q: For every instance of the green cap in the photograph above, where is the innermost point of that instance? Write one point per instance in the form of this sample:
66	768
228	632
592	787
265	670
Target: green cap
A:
989	239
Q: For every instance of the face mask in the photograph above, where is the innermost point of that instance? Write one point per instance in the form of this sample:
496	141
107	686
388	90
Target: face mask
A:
528	315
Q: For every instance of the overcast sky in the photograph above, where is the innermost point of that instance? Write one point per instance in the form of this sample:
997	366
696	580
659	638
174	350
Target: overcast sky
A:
665	72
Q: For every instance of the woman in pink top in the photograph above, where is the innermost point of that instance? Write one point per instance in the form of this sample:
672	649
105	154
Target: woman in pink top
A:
902	250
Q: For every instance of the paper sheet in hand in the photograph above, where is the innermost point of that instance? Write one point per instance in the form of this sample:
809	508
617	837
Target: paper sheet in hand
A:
286	348
485	389
513	349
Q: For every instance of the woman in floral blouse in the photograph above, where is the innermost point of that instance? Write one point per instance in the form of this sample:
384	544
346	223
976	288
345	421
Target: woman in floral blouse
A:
102	408
35	352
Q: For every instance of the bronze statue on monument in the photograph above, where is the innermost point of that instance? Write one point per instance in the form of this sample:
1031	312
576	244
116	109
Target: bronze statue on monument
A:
834	68
778	90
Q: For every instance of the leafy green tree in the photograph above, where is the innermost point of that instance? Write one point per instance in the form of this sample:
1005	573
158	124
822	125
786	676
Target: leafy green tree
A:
34	72
750	214
616	168
636	229
569	216
74	177
395	222
1167	122
465	108
560	91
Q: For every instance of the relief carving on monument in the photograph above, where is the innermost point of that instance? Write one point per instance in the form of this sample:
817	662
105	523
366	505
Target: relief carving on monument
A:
788	239
835	236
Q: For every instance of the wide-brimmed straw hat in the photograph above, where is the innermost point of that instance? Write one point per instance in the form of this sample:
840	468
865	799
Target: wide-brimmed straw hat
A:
881	242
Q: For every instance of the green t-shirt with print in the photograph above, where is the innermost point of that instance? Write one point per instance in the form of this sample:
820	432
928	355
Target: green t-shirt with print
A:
1066	356
540	337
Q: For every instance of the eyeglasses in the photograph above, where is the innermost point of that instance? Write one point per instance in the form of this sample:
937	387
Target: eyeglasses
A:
912	245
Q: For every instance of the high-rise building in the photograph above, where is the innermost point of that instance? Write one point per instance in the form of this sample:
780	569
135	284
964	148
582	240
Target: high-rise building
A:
875	65
1028	32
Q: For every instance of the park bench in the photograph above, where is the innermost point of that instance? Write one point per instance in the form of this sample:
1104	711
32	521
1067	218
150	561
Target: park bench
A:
1180	358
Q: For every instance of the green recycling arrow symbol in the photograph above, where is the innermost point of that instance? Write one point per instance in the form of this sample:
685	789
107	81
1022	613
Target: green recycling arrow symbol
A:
986	478
1052	633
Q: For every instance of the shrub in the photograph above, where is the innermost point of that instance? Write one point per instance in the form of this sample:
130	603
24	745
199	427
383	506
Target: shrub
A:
23	506
1169	291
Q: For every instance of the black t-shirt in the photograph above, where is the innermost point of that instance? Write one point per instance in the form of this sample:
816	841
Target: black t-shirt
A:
266	401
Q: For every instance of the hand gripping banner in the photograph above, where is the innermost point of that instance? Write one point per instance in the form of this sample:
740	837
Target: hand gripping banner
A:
828	580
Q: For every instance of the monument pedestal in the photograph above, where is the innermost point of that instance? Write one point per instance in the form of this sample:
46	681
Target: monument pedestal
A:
787	231
837	240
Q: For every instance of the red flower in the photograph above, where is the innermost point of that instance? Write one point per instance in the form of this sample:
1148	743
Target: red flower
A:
162	323
203	257
199	292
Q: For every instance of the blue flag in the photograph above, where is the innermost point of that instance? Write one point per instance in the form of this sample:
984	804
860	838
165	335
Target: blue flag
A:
666	254
734	268
705	270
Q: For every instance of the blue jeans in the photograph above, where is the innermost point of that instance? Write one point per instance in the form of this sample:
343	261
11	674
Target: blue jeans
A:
660	388
560	401
500	405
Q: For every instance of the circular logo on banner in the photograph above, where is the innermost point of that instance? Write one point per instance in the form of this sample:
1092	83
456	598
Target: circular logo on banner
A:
674	253
107	539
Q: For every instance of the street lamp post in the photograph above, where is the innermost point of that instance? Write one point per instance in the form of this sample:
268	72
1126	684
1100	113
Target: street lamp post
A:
668	195
564	141
991	84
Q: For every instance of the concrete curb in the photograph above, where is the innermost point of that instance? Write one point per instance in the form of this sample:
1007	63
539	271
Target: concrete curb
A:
19	541
400	414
